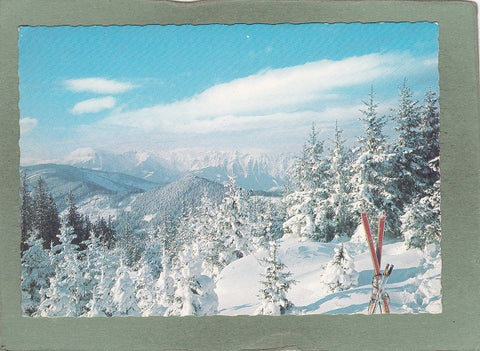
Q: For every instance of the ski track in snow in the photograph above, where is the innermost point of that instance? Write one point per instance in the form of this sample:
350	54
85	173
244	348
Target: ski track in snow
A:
414	286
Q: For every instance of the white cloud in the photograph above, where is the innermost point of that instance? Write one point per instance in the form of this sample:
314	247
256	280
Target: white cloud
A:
270	92
93	105
98	86
27	124
273	108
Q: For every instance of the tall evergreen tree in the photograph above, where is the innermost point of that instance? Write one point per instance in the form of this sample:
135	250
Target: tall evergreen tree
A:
430	134
335	214
411	167
105	231
46	219
26	212
75	220
309	179
373	187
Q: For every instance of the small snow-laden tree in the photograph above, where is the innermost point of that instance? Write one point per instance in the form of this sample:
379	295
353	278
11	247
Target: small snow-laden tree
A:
123	293
266	217
194	293
36	273
232	224
163	289
207	238
277	281
340	273
90	265
66	295
129	241
101	303
372	184
421	221
308	177
148	271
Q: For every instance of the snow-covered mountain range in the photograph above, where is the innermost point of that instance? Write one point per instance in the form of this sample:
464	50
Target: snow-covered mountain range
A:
253	169
85	184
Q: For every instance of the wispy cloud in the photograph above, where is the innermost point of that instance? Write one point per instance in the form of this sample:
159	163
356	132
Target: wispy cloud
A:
272	107
311	86
27	124
93	105
98	85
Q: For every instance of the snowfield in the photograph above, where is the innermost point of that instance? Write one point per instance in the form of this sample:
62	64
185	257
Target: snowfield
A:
413	287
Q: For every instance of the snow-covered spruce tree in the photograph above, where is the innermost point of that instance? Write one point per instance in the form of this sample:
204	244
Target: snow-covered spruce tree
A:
36	273
91	265
373	187
75	220
46	219
194	293
104	230
101	303
207	242
335	214
421	221
65	296
266	216
340	273
276	283
163	289
232	224
308	176
430	132
26	212
148	271
410	163
123	293
421	218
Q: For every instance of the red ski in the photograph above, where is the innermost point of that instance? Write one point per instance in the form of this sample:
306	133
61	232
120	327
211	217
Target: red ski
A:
379	280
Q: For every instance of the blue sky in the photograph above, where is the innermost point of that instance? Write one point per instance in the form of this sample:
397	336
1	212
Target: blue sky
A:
213	86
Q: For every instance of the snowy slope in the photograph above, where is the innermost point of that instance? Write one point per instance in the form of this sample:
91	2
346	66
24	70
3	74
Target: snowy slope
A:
414	286
154	205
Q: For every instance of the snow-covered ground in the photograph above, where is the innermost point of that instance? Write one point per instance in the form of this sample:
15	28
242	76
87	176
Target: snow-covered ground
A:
414	286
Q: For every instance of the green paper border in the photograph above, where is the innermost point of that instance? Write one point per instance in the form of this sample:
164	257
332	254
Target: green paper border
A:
457	328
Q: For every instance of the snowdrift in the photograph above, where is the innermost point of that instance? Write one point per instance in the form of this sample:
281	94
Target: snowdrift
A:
414	286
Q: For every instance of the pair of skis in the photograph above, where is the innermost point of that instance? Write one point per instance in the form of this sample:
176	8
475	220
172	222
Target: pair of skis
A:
379	282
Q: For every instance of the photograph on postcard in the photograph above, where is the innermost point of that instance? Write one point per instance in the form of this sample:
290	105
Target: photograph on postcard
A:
176	170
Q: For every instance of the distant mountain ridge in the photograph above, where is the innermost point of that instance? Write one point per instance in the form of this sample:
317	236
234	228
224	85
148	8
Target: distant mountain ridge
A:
84	183
254	170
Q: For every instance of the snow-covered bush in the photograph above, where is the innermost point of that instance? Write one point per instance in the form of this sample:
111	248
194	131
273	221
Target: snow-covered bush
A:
340	273
123	293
